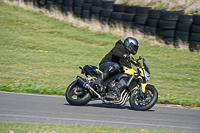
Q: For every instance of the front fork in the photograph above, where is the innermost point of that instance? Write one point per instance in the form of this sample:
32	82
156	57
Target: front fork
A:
142	86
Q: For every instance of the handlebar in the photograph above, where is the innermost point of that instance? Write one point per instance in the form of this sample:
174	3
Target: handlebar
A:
135	61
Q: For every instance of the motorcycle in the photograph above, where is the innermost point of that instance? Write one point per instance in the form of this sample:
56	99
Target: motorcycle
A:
132	86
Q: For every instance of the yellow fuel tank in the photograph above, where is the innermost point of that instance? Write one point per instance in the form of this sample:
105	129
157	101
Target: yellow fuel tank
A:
129	71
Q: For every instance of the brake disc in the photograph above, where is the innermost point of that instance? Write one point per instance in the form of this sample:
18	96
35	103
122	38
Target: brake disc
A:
141	98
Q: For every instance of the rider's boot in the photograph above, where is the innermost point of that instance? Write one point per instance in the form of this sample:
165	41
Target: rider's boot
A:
99	80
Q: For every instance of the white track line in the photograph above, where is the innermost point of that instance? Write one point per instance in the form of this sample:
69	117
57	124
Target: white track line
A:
29	94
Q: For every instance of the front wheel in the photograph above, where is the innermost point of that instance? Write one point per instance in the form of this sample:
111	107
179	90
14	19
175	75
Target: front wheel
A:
144	101
77	95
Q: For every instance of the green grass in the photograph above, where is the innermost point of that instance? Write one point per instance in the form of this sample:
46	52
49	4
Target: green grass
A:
39	54
49	128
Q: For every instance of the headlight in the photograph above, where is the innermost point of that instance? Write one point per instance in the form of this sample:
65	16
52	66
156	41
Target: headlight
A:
146	75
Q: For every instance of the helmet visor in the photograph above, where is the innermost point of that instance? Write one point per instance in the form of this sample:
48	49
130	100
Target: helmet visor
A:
134	48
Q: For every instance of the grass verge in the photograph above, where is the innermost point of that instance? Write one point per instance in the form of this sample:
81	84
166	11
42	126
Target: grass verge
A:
49	128
41	54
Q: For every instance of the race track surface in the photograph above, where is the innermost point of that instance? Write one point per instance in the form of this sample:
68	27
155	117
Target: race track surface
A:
31	108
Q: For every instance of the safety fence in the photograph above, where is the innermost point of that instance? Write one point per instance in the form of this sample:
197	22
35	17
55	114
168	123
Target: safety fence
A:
171	26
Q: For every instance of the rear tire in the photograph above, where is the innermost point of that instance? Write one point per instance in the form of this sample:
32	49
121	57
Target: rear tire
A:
74	99
153	97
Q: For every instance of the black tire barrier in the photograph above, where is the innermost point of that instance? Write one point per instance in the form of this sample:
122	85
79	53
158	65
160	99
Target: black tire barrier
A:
195	29
185	19
67	2
167	33
41	3
170	15
151	30
129	9
194	46
49	5
140	19
183	27
142	10
59	1
128	24
107	4
183	36
106	13
140	27
52	1
88	1
95	16
95	9
87	6
196	19
128	17
105	20
35	2
168	40
170	25
167	24
58	6
116	15
78	11
152	22
114	22
195	37
97	3
66	9
86	14
154	14
78	3
118	8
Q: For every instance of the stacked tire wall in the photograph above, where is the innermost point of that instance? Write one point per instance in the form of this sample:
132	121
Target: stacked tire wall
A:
86	9
167	24
195	34
183	28
171	26
67	6
128	16
141	16
152	22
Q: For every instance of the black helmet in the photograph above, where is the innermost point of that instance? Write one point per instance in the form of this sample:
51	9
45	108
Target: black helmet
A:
131	44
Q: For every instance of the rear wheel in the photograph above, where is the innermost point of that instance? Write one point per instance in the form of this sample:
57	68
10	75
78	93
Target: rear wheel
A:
77	95
145	101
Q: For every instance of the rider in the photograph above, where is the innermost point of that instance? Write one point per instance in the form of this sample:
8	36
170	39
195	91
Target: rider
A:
117	57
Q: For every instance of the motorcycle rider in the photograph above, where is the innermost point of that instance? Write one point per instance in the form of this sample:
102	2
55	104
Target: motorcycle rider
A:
117	57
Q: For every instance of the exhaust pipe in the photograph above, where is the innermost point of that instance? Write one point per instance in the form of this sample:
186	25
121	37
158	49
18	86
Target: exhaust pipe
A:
83	82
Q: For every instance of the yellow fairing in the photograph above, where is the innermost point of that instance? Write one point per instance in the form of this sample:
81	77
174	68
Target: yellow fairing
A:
141	72
129	71
143	87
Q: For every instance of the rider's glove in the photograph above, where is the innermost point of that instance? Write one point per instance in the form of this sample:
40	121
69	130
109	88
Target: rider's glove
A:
126	56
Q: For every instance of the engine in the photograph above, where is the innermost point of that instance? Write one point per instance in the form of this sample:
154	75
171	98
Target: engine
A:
115	89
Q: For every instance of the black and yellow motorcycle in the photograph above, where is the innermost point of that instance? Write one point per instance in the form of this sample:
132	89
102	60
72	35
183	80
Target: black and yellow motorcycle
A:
132	84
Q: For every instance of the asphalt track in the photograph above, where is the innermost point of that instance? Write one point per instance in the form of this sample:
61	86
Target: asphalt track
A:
43	109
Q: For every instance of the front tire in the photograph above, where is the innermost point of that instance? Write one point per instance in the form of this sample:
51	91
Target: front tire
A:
77	98
146	101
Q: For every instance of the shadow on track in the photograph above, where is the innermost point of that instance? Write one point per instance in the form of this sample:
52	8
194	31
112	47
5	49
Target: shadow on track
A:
102	105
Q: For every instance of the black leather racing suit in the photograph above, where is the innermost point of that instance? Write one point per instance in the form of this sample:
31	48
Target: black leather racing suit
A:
111	63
